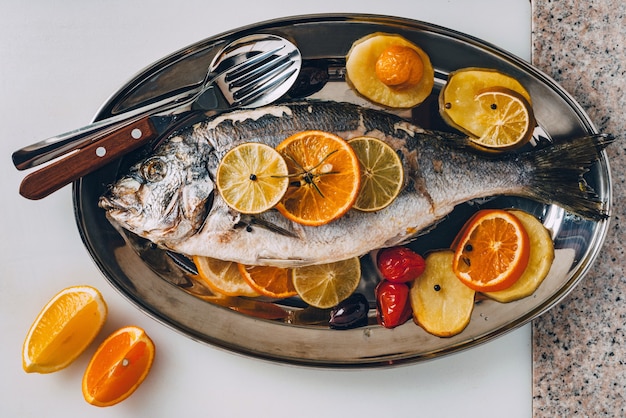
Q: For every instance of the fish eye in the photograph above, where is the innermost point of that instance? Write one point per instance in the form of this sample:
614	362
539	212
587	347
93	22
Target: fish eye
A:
154	169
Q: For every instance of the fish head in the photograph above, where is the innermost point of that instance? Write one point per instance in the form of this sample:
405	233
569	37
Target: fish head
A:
165	197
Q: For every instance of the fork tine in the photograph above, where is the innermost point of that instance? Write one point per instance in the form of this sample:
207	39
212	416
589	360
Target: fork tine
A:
254	91
268	68
264	74
245	66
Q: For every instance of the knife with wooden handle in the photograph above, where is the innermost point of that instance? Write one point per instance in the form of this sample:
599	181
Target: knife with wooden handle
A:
248	80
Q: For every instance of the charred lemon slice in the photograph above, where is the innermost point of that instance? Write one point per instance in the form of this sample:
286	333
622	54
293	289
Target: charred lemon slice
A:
390	70
462	99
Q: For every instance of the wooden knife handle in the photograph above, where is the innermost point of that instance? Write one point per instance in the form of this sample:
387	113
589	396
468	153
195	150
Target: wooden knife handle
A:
57	174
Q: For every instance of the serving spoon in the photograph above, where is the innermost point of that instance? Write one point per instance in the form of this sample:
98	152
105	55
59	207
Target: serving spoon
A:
250	72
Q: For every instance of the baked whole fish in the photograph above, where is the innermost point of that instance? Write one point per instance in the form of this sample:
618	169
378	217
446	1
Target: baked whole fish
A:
170	197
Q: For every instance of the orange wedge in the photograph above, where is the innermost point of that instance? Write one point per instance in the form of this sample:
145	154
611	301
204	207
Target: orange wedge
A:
118	367
274	282
491	251
63	329
324	177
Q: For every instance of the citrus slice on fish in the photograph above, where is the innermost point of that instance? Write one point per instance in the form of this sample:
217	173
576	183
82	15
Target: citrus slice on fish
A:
64	328
382	174
252	178
325	285
324	177
274	282
223	277
491	250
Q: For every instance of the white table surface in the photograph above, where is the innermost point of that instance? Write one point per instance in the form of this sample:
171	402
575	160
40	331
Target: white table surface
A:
59	61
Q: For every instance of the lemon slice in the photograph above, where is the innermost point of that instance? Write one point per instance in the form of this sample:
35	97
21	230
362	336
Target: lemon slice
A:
382	175
325	285
252	178
63	329
223	277
457	100
505	119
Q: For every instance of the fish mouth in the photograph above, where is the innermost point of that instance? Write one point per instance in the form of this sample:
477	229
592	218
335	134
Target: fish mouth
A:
109	204
112	205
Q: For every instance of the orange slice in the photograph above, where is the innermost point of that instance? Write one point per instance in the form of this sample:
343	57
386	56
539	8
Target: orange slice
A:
382	174
491	251
118	367
539	262
274	282
324	177
252	177
64	328
325	285
223	277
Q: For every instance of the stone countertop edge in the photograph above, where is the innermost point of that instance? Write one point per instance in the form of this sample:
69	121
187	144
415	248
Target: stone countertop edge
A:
579	346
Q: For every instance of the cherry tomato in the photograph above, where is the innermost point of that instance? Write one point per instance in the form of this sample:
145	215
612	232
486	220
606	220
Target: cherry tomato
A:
400	264
393	307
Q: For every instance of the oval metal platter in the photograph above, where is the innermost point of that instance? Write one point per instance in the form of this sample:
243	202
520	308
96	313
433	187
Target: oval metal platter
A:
162	284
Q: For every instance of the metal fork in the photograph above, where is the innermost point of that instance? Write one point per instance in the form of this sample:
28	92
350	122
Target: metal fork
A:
253	71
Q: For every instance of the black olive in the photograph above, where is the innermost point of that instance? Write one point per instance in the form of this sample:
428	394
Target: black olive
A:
350	313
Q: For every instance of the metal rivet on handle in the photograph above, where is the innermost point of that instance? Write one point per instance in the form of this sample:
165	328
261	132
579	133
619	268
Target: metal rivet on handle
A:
136	133
101	151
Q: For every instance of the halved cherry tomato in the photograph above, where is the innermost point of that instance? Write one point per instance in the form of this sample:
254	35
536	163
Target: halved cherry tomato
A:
392	303
400	264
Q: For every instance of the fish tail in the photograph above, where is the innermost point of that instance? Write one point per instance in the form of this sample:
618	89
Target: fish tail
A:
559	175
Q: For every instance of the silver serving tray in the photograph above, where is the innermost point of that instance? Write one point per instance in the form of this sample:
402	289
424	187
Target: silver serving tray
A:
161	285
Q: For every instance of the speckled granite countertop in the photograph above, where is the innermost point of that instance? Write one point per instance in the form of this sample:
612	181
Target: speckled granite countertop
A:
579	348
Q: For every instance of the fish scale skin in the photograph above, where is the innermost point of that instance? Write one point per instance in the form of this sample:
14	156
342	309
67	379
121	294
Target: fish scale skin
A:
440	171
